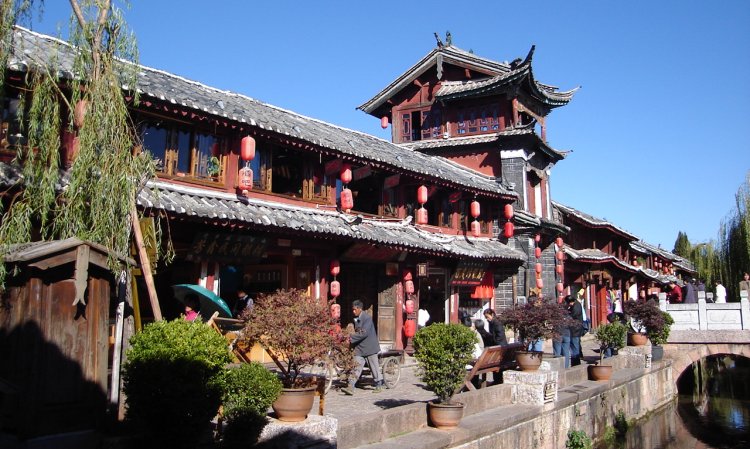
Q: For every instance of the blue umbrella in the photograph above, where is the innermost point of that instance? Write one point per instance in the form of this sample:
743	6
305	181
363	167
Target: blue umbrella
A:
209	301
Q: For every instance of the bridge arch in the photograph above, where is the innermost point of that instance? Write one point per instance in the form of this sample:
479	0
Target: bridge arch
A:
683	355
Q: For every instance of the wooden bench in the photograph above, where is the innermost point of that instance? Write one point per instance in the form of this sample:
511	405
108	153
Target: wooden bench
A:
493	359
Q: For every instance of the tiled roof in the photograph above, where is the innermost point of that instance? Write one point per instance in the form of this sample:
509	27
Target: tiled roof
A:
593	255
542	92
200	204
677	261
32	49
592	221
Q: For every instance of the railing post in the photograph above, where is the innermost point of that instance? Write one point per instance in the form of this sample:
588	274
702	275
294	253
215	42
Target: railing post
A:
744	310
702	314
663	302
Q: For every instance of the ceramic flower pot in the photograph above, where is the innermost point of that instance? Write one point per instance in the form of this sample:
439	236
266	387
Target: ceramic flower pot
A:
600	372
529	360
445	416
637	339
293	404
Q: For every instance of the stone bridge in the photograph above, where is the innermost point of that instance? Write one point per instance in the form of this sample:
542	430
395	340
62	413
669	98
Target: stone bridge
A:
706	329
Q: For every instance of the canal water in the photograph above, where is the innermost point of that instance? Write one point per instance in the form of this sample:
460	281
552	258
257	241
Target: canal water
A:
712	411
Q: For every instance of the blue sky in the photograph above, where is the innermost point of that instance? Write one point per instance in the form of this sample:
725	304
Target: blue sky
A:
659	131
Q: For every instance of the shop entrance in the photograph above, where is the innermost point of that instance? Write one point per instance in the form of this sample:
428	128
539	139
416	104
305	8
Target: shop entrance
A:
434	295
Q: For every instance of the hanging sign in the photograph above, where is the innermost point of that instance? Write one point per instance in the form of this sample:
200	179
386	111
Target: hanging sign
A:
469	273
227	247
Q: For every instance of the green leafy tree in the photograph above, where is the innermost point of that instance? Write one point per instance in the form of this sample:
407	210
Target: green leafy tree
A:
442	352
682	245
97	201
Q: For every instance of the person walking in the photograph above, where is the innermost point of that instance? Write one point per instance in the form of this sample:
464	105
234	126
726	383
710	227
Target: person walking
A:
721	292
576	312
497	328
366	346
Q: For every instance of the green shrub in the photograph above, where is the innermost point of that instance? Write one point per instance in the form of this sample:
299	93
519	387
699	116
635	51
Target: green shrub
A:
660	335
443	351
610	335
577	439
248	391
172	380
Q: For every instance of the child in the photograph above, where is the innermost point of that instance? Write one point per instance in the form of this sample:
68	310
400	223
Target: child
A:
192	307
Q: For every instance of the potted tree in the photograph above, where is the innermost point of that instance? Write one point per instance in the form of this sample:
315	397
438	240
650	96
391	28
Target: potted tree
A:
649	323
296	330
610	336
535	320
658	333
443	351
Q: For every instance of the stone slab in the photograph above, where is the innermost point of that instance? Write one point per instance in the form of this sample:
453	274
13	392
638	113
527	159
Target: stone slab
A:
316	432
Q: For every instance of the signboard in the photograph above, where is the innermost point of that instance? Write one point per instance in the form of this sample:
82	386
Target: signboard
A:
469	273
227	247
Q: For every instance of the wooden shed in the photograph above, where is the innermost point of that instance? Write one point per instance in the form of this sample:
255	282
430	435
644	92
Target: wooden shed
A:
54	338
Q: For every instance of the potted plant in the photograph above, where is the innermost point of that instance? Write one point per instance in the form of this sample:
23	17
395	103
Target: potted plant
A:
443	351
296	330
610	336
535	320
648	322
658	329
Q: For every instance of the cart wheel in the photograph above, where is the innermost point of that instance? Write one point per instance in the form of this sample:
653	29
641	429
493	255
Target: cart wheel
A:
391	371
322	368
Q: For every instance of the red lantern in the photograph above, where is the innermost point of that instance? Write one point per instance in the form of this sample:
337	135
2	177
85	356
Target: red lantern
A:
509	212
346	173
384	122
409	287
335	311
246	179
537	238
247	148
508	229
335	267
539	283
335	288
422	194
347	200
409	306
475	209
422	216
538	252
538	267
559	242
476	228
559	287
559	269
79	113
560	256
410	328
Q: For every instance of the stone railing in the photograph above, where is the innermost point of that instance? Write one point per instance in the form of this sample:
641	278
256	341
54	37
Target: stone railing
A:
708	316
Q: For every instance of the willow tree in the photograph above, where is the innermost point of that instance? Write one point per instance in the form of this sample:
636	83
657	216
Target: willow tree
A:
97	200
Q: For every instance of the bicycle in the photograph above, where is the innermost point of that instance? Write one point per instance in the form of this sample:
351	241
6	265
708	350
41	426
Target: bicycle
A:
390	367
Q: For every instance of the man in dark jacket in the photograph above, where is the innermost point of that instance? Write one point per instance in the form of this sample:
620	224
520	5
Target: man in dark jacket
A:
497	329
576	330
366	348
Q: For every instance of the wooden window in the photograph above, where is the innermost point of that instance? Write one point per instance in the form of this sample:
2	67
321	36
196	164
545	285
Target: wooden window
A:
406	127
389	206
432	124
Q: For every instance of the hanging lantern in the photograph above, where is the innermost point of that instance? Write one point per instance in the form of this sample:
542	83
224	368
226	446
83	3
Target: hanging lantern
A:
559	287
384	122
559	269
347	200
335	288
509	213
475	209
539	283
409	306
422	194
79	113
537	252
476	228
346	173
559	242
422	216
537	238
335	311
409	287
538	267
410	328
560	256
508	229
335	267
245	179
247	148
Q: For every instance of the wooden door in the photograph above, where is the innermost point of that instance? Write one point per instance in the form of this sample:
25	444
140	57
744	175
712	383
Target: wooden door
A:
386	322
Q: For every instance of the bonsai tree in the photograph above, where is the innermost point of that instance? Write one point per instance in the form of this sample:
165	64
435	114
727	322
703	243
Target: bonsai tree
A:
542	318
649	319
612	336
296	330
442	352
